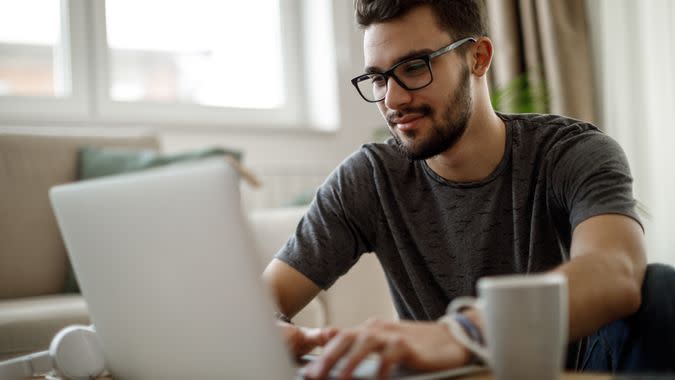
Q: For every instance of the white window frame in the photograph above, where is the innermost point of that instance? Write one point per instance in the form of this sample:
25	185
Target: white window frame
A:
73	106
89	102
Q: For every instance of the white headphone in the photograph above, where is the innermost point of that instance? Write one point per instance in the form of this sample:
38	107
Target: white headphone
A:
75	353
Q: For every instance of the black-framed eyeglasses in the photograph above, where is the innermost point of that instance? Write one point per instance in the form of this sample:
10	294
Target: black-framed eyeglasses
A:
411	74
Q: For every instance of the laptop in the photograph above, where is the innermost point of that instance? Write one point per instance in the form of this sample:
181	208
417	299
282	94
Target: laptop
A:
166	263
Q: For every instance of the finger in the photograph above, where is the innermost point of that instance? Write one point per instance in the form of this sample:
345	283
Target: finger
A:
365	344
319	337
302	340
329	333
394	353
333	351
311	335
306	340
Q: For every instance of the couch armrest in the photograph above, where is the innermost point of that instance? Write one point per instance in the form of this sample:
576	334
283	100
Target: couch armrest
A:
361	294
29	324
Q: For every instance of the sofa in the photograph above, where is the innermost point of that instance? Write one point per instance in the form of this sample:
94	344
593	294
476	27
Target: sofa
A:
33	259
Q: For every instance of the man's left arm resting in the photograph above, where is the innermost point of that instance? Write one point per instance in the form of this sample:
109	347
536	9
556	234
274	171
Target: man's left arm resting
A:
605	272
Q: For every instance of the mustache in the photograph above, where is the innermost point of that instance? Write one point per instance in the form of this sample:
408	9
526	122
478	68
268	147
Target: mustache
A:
424	110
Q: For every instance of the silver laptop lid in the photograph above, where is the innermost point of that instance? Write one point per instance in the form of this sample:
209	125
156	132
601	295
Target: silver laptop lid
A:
166	264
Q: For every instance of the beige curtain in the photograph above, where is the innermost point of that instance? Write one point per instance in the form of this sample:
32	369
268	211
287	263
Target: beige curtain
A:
548	40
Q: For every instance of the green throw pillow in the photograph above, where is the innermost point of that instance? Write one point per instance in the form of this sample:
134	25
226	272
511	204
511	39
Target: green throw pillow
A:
98	162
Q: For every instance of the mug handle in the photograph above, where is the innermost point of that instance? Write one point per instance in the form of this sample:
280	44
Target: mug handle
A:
455	306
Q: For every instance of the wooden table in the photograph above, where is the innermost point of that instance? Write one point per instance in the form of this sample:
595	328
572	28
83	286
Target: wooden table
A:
480	376
565	376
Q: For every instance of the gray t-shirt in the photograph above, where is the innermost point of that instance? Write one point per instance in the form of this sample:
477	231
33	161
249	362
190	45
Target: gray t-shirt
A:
435	238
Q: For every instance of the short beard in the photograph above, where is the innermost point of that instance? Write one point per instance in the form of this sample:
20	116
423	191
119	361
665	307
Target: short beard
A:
445	135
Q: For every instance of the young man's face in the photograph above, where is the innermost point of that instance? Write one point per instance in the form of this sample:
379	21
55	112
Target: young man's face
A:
430	120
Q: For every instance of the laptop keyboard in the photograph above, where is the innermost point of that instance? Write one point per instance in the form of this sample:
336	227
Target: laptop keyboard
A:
369	367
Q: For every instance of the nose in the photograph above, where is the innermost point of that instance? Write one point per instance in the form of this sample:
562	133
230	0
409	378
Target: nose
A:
396	96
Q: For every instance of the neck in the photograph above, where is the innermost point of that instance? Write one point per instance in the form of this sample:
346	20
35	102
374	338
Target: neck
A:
479	151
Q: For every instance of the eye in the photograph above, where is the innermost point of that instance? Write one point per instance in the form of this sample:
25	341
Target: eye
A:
414	67
378	80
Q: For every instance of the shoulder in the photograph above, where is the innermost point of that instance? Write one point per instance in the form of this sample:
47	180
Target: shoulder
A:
387	151
372	163
546	127
374	157
554	135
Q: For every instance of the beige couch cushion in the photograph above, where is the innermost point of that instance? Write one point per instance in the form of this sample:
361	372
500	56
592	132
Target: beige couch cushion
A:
32	255
357	296
28	324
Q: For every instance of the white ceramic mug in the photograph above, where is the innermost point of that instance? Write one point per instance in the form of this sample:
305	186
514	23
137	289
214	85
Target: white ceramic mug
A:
525	321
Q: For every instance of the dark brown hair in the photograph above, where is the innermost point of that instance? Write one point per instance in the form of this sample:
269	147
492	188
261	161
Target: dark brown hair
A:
460	18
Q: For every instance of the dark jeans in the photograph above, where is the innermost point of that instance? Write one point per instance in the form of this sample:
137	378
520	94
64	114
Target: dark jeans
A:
641	343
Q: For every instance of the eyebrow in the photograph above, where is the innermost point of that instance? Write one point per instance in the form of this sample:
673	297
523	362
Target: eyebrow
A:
411	54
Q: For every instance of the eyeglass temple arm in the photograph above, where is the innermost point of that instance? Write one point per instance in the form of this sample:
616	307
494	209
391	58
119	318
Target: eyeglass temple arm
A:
452	46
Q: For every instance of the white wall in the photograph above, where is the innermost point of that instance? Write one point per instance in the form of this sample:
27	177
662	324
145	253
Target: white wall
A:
313	152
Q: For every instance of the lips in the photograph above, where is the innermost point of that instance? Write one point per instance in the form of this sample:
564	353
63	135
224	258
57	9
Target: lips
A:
407	122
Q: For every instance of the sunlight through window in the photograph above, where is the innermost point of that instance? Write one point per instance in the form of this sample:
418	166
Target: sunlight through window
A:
206	52
31	53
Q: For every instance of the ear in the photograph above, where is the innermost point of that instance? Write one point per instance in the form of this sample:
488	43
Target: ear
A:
481	56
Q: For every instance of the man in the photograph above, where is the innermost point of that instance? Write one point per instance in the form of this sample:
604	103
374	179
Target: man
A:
460	192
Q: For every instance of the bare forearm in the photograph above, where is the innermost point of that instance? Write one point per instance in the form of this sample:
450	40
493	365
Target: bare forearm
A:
605	273
290	288
602	288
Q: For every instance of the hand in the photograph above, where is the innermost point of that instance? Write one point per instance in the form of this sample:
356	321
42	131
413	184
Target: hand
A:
426	346
301	340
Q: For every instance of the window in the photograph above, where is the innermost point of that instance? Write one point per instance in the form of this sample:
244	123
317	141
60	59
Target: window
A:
202	58
32	55
41	75
179	62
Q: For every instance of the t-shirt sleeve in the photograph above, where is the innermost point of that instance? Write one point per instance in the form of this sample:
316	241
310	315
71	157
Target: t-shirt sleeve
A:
591	176
337	227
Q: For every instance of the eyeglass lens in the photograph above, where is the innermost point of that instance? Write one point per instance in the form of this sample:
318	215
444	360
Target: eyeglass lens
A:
413	74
